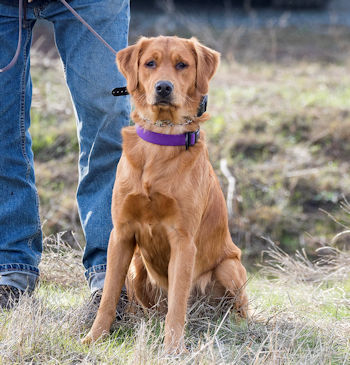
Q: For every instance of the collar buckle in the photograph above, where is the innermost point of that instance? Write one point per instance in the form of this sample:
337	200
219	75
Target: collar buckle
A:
188	138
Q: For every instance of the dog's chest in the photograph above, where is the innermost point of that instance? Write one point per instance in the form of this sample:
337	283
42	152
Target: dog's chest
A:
150	209
155	249
150	215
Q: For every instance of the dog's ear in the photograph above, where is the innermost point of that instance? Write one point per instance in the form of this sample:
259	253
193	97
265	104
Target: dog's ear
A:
207	62
128	63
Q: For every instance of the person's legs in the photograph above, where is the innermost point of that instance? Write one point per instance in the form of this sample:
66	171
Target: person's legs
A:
20	229
91	75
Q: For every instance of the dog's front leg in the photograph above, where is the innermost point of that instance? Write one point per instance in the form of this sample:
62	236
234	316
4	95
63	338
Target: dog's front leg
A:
120	251
180	273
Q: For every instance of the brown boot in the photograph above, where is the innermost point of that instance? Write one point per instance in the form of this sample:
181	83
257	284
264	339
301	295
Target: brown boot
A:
9	296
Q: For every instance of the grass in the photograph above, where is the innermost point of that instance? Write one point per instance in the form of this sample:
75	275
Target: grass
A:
296	319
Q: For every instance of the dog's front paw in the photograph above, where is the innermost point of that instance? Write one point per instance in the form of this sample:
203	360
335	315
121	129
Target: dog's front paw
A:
174	343
93	336
242	308
87	340
179	349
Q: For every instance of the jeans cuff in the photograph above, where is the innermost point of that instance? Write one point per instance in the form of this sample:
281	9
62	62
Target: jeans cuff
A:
22	276
95	276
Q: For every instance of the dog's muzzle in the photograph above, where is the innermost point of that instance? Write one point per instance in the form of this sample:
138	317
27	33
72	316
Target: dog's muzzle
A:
163	92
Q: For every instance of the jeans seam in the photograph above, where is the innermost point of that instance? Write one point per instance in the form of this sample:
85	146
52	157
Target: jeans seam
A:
22	127
96	269
22	110
29	269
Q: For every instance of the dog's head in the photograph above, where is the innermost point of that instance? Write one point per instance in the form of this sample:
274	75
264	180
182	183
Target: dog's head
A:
167	76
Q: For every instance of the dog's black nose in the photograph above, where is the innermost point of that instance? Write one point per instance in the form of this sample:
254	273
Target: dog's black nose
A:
164	88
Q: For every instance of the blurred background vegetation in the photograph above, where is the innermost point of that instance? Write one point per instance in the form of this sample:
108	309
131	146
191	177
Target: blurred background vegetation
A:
280	107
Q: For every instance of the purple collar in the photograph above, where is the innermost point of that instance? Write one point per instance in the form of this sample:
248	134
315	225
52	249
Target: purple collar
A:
185	139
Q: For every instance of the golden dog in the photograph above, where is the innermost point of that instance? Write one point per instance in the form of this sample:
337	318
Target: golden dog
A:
169	213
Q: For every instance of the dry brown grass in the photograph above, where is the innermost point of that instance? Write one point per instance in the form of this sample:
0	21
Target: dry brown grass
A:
298	319
332	265
61	264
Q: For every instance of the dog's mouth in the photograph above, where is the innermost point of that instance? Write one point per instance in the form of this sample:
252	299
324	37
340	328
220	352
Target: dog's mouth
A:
163	103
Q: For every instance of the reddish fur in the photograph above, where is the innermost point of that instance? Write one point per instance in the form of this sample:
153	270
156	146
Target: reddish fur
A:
169	214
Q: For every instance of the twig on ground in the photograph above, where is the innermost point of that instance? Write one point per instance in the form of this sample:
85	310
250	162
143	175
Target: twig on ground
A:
231	185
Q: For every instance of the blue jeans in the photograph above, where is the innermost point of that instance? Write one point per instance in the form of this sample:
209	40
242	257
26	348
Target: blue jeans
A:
91	75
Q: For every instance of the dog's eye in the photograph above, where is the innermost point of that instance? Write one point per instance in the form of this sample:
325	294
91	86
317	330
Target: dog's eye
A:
181	66
151	64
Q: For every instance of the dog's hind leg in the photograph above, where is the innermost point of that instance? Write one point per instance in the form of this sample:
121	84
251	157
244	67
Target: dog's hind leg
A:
139	285
232	275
